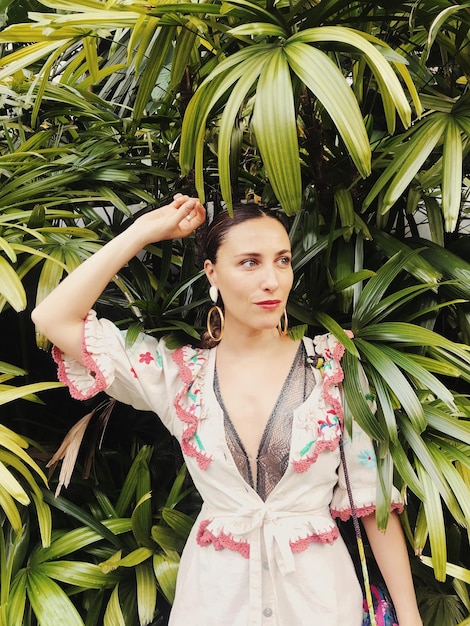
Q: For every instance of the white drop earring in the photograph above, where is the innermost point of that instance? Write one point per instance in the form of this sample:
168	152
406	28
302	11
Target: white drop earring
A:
213	293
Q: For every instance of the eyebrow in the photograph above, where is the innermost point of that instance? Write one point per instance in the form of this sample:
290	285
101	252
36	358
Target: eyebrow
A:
258	254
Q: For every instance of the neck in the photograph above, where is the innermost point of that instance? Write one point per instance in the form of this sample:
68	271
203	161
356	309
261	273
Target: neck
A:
245	341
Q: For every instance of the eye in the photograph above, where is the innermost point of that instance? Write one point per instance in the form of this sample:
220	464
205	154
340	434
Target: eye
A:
248	263
284	260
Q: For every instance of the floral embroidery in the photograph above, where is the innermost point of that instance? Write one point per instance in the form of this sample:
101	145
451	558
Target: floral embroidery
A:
159	360
187	403
329	428
367	458
134	373
146	357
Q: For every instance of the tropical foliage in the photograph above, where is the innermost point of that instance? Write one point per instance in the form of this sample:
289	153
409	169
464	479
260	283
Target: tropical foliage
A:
354	117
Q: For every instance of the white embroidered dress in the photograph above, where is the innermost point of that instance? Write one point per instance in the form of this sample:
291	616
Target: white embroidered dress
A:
247	562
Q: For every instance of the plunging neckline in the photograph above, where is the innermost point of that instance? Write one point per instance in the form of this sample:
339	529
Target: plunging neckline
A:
253	463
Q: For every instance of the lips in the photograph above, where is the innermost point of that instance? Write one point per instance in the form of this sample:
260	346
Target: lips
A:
269	304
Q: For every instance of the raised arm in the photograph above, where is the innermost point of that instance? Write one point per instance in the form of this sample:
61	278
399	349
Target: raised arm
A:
390	552
60	316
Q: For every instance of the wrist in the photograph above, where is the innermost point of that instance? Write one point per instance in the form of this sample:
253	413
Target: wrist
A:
137	236
409	618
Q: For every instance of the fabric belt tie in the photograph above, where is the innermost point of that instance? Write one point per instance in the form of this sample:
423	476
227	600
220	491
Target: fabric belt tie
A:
264	525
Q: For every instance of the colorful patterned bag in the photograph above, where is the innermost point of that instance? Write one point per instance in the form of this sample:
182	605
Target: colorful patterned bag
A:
383	608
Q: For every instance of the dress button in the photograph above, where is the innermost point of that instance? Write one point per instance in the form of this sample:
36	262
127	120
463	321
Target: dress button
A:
265	565
267	612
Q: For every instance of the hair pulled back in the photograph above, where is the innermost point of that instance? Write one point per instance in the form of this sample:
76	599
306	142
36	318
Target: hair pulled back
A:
211	236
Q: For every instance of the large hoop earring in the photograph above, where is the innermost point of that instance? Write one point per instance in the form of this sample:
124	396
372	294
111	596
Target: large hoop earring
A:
283	326
212	310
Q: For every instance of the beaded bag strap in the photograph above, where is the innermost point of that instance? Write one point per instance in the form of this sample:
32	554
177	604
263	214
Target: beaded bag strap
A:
357	531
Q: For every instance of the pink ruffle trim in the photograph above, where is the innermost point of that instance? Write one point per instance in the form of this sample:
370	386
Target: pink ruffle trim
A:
188	417
329	536
89	363
206	537
328	381
304	464
363	511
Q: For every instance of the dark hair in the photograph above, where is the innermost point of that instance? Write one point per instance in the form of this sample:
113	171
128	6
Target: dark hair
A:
212	236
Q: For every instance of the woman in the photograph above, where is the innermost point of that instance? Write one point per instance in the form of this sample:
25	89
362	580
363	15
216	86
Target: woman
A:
258	421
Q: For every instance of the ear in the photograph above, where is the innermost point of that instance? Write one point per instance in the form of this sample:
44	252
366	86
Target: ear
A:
209	269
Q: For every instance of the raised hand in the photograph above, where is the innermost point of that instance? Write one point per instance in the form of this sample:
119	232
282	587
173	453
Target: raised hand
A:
60	316
173	221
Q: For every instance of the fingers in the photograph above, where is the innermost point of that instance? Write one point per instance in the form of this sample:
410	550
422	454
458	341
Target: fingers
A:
194	210
184	214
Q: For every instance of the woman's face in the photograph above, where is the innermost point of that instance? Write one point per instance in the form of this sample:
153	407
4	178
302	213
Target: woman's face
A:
253	273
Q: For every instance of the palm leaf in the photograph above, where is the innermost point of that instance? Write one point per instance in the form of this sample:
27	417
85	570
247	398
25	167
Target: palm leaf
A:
385	402
50	603
231	109
153	67
71	541
142	514
395	380
166	569
28	55
179	522
81	574
452	570
384	489
10	509
452	158
406	470
11	288
439	22
389	85
146	593
356	406
113	615
422	378
373	292
258	29
17	599
447	425
274	123
44	519
311	66
128	490
435	522
459	488
424	460
185	43
410	158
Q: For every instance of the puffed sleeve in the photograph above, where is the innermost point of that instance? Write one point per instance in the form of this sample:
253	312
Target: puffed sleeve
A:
361	465
143	375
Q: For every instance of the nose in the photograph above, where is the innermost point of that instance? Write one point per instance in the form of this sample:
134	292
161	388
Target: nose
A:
270	279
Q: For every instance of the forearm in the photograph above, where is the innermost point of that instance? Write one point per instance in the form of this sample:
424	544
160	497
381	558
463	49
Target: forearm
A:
78	292
61	314
391	555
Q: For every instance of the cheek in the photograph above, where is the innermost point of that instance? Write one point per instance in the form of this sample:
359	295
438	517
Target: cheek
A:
288	280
